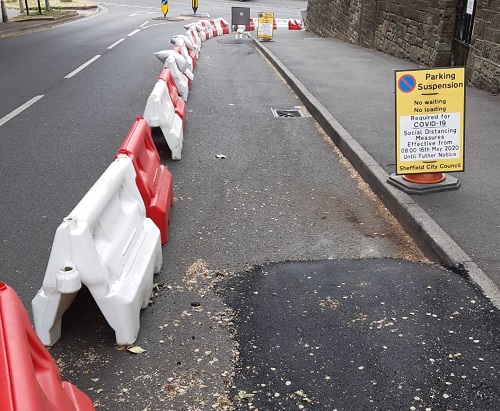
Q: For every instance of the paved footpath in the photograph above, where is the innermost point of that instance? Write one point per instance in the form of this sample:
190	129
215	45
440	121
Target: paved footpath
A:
352	89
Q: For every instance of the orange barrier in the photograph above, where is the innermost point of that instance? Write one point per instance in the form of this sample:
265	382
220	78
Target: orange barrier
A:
153	179
29	377
179	103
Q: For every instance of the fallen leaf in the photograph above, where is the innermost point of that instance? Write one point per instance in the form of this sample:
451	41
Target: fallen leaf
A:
136	349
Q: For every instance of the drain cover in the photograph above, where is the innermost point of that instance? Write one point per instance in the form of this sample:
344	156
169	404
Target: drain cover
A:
294	113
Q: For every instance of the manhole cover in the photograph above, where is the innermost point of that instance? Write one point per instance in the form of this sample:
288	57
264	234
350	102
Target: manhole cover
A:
293	113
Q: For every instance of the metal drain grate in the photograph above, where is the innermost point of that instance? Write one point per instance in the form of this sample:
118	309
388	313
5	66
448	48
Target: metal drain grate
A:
294	113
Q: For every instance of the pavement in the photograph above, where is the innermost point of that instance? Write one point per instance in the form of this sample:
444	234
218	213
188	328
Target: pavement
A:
377	333
24	25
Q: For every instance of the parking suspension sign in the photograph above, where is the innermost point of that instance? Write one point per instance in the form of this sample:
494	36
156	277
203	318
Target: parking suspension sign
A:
430	111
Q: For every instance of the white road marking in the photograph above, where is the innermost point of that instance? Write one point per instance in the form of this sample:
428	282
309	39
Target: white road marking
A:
143	24
115	44
127	5
20	109
83	66
134	32
142	13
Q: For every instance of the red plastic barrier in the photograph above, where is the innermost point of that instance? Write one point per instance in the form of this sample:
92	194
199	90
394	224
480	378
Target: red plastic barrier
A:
192	54
179	103
225	28
251	26
29	377
294	25
153	179
178	50
214	28
204	24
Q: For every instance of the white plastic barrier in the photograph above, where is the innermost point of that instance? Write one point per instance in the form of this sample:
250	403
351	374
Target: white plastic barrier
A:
179	42
109	245
218	26
208	28
224	22
282	23
192	33
160	112
204	35
190	43
181	65
180	61
180	80
200	30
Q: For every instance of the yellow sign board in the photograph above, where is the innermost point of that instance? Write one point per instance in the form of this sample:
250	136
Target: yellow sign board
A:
265	28
164	7
430	111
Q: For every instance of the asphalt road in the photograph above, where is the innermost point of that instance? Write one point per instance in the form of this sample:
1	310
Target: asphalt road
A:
282	193
363	335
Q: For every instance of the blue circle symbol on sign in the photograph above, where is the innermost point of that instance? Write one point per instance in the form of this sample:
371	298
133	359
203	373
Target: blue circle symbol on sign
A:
407	83
164	2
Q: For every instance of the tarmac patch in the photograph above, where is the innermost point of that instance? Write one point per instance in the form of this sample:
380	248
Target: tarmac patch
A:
378	334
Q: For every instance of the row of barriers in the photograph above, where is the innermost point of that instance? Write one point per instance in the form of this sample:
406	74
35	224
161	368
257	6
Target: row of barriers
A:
110	243
290	24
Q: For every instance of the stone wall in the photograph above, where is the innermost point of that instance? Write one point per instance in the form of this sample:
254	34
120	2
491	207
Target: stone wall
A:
483	62
418	30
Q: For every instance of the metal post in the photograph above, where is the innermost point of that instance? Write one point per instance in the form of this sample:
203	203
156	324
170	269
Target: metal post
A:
5	18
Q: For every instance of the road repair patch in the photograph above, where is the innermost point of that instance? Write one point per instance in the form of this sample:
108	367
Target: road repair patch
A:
378	334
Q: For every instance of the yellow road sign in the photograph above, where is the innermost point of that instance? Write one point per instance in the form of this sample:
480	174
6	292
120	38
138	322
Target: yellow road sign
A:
265	27
430	111
164	7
